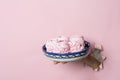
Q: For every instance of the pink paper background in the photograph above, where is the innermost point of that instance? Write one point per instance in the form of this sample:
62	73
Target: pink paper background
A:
25	25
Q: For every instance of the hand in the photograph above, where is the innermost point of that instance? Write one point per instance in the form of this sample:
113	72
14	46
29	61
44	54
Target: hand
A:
56	62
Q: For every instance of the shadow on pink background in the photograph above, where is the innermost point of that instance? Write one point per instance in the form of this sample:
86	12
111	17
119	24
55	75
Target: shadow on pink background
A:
25	25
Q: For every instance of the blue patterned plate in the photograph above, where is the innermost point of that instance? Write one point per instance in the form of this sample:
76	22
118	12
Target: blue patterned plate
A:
68	56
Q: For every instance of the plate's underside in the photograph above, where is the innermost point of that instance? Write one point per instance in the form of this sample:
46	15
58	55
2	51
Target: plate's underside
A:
67	58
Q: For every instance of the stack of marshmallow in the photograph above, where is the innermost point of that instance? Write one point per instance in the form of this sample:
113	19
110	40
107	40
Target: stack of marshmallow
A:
64	44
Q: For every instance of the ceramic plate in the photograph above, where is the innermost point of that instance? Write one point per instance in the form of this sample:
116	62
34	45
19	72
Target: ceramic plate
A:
66	57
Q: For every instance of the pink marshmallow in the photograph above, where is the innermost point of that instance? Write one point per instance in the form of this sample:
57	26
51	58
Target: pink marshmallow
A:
64	44
76	43
58	45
